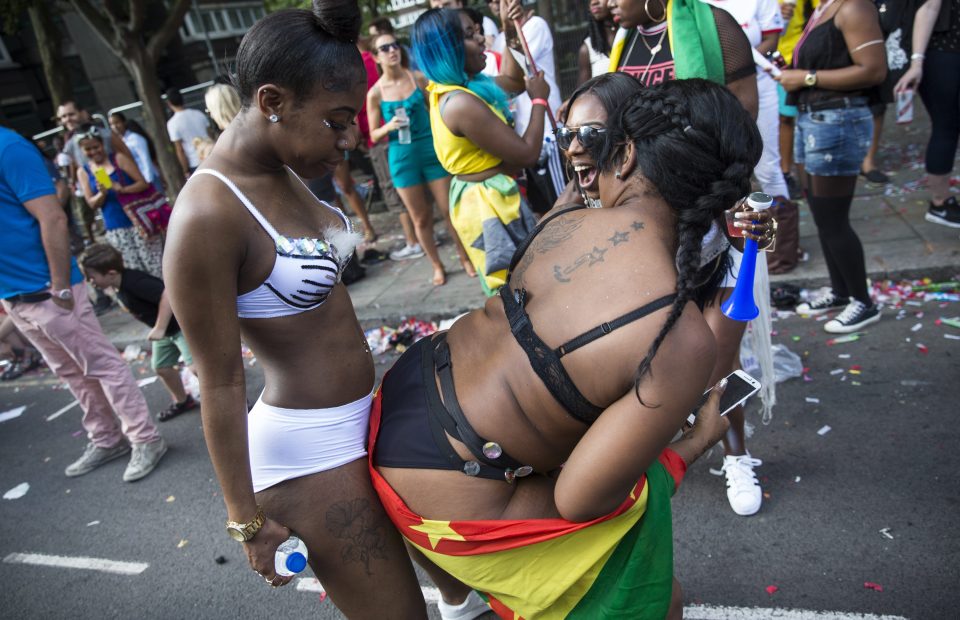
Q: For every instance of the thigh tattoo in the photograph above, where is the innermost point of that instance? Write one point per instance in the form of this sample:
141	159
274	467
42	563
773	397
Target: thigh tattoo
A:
363	529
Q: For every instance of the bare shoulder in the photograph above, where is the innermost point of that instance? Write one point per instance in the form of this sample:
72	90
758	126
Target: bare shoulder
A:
374	95
852	12
205	217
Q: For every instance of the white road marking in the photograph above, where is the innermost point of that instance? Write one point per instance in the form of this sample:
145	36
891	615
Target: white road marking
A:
62	561
691	612
13	413
21	489
63	410
716	612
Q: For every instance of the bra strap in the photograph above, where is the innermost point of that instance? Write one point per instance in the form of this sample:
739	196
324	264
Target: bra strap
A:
343	216
605	328
246	202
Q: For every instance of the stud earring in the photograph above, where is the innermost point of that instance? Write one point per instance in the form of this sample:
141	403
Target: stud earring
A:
617	175
274	118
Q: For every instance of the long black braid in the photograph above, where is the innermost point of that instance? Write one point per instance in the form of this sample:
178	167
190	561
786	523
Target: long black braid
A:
697	145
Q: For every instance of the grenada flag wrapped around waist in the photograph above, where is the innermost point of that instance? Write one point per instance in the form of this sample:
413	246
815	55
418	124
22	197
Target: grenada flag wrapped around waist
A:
618	566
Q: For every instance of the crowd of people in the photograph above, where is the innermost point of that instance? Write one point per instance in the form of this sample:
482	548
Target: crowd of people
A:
597	224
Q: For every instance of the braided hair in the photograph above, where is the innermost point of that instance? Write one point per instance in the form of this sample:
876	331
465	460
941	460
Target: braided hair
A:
697	146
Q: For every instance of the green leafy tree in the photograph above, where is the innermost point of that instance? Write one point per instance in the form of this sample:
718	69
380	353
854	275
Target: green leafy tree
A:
122	26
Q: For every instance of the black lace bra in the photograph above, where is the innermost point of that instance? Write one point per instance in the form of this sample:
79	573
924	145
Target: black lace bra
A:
545	360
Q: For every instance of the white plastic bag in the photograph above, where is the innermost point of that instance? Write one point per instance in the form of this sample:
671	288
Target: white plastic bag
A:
786	363
190	382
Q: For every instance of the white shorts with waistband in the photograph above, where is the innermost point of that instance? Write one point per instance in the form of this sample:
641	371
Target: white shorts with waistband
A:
290	443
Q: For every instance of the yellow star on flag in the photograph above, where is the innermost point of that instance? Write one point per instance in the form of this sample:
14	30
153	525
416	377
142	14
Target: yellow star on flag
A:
437	531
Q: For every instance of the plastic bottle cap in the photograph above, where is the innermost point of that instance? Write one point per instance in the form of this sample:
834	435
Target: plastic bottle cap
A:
296	562
759	201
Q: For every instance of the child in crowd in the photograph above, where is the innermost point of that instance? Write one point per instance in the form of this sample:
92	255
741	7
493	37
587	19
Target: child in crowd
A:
143	296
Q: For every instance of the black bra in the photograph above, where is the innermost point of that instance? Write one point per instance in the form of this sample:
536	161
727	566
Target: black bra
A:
546	361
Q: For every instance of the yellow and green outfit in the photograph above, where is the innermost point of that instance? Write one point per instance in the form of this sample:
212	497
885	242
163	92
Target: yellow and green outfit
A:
491	216
617	566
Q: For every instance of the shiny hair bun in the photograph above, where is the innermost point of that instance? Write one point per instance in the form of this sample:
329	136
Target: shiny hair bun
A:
341	19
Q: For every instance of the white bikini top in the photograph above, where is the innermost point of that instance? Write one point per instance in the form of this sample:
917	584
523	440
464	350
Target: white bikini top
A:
305	271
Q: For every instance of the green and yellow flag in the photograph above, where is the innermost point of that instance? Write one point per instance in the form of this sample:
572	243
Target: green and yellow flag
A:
619	566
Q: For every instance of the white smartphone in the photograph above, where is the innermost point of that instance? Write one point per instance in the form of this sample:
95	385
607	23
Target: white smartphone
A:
740	387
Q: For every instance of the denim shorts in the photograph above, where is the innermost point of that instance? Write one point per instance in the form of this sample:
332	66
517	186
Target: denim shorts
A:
833	143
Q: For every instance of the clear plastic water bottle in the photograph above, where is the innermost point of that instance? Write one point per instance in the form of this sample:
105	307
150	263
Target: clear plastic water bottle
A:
403	134
291	557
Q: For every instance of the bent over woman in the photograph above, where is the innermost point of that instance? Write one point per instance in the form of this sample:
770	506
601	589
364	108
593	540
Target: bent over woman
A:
534	433
252	253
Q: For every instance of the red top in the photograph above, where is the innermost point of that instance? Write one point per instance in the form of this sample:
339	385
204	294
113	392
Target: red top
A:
372	76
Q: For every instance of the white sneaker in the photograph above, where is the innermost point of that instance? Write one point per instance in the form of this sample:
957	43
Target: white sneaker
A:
824	302
469	609
144	459
854	317
408	252
743	490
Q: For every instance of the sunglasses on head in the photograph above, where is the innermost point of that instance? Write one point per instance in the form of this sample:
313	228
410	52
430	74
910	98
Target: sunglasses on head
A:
386	47
587	135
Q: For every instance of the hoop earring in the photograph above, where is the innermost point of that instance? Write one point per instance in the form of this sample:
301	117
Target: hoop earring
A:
274	118
646	9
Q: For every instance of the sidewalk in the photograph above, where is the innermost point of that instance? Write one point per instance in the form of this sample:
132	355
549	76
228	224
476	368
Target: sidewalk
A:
898	244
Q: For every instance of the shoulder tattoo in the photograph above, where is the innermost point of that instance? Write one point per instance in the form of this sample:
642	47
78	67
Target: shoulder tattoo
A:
562	273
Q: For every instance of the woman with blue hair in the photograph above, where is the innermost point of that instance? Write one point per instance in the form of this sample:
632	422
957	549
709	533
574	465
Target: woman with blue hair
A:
474	139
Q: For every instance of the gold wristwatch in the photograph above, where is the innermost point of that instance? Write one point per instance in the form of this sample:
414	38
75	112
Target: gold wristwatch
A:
810	79
242	532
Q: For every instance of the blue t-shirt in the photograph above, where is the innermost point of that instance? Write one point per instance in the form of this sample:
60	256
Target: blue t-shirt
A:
23	177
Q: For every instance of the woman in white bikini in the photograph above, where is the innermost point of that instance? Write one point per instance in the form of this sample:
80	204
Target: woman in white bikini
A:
252	253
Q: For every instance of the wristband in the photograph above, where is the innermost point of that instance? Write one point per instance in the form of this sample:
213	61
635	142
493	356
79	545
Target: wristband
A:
917	56
539	101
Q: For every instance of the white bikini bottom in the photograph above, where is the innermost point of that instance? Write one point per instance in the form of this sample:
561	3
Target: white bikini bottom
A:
289	443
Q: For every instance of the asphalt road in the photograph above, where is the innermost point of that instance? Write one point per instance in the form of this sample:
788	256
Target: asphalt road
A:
889	462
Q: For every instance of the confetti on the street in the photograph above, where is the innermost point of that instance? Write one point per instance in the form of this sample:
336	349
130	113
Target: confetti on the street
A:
76	433
92	523
844	356
843	339
886	533
854	371
873	586
797	479
170	499
951	322
183	543
824	430
18	491
836	371
923	348
12	413
917	327
812	399
772	589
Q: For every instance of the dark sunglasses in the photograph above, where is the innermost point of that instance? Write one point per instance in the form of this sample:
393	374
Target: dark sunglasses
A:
386	47
587	135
